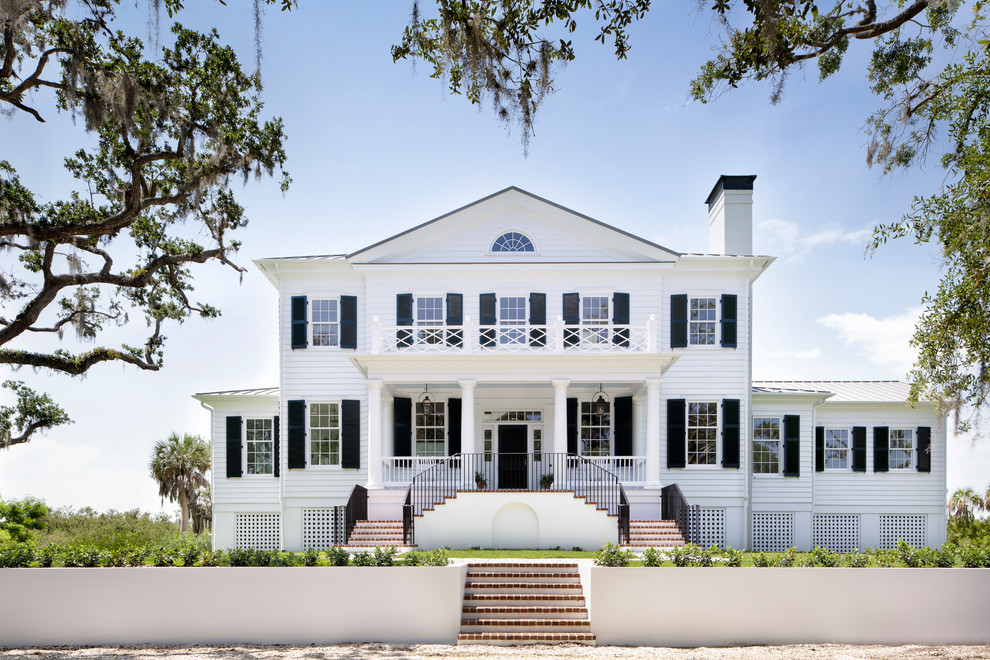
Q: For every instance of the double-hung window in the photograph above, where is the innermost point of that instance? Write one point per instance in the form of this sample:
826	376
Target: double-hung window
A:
596	431
702	433
260	445
837	449
430	430
324	434
429	320
512	311
702	317
325	321
594	319
766	445
901	449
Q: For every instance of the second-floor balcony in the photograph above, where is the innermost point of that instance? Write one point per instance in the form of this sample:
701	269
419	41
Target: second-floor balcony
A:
555	337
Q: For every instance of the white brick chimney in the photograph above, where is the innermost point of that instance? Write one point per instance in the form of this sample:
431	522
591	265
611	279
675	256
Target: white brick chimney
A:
730	215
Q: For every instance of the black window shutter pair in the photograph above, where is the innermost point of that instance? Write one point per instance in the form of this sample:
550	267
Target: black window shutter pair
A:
300	321
677	433
792	445
350	433
679	320
858	449
234	446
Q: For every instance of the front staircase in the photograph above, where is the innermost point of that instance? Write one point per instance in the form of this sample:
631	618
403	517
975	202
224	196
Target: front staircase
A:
376	533
654	534
524	603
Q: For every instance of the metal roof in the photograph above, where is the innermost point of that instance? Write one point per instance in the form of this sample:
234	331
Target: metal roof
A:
258	391
842	390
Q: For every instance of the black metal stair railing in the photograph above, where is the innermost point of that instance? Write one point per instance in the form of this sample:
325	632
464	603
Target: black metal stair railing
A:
356	509
674	506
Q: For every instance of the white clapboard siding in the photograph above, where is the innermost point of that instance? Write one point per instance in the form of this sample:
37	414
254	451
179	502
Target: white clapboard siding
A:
247	489
793	492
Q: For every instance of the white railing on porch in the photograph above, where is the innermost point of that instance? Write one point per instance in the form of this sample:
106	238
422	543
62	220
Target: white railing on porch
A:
555	337
400	470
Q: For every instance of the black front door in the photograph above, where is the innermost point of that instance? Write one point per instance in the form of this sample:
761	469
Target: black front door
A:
512	456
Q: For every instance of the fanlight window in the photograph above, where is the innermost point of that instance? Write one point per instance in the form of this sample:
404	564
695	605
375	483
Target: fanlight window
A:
513	241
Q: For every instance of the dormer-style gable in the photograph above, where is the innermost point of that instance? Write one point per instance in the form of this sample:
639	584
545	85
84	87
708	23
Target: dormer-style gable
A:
513	226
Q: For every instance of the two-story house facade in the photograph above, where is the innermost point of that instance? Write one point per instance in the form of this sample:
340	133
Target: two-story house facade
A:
516	374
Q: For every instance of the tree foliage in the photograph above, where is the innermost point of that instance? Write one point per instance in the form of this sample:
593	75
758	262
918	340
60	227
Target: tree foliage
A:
179	465
172	130
19	517
493	50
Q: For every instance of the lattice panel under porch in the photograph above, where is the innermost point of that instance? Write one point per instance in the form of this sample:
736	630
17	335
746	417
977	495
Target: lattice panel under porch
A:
323	528
709	526
909	528
257	530
836	532
773	532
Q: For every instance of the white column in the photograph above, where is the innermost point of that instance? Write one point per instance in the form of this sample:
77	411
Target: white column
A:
652	432
374	434
388	428
468	433
560	415
639	417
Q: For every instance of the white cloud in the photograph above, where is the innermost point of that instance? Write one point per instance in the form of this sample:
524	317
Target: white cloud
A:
783	238
810	354
883	341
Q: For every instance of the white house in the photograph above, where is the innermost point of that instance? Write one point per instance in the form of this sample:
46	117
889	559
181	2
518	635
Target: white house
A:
516	374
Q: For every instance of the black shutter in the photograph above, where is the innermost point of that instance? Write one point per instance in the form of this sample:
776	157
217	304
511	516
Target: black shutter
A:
623	426
819	449
729	320
278	441
730	433
348	322
455	319
678	321
300	331
234	446
881	448
572	426
676	433
538	319
297	434
620	316
402	427
453	426
859	449
403	317
350	433
924	449
572	316
486	301
792	445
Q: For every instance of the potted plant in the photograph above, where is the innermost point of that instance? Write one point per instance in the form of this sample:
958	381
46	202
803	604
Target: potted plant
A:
480	481
546	481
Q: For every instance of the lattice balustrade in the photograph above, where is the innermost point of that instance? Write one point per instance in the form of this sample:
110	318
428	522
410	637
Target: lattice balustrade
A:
911	529
257	530
773	532
323	528
836	532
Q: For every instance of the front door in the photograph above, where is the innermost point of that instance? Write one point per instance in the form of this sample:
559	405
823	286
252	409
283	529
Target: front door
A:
512	456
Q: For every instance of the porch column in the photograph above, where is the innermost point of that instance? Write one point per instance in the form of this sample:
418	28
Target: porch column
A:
374	434
639	417
467	415
388	434
560	415
653	432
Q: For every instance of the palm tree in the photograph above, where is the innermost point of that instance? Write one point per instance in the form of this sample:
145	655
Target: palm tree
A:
179	465
964	503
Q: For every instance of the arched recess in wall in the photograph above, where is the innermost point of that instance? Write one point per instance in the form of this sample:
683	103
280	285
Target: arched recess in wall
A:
515	526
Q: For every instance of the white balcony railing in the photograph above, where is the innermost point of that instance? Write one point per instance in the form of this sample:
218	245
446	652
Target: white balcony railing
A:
400	470
629	469
556	337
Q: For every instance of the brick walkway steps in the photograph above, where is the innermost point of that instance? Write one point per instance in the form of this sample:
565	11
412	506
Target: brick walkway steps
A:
381	533
524	603
654	534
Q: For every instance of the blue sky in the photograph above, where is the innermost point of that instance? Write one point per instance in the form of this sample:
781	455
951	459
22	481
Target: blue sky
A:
375	148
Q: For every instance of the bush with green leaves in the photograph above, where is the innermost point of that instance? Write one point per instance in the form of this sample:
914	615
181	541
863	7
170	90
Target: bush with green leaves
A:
612	555
653	557
821	557
438	557
855	559
338	556
19	518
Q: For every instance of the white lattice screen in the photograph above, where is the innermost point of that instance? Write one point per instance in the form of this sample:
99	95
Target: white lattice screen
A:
257	530
773	532
836	532
323	528
709	527
909	528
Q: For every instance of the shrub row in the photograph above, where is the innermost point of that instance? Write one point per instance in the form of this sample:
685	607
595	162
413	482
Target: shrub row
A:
947	556
87	556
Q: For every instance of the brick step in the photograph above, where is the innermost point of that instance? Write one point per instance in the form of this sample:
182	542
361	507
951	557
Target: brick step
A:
521	587
500	576
525	625
557	566
523	600
523	612
376	535
658	546
512	639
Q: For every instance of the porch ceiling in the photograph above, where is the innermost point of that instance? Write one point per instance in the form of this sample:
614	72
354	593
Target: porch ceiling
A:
514	367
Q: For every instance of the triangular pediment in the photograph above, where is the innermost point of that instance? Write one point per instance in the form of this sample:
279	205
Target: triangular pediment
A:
557	234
